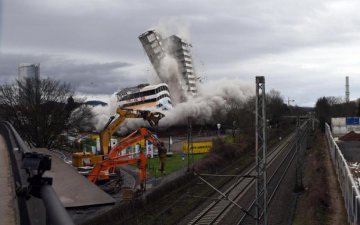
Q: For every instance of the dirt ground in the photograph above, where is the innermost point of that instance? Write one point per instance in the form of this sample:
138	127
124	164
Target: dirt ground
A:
321	202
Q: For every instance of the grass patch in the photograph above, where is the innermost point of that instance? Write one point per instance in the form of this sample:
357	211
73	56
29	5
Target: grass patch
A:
173	163
228	139
172	202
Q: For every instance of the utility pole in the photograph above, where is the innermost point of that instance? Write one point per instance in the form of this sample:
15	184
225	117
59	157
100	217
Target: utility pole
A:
299	181
191	141
260	152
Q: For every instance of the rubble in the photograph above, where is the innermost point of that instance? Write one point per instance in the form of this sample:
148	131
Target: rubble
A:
351	136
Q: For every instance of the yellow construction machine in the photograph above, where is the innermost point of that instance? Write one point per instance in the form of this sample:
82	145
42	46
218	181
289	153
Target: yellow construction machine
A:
81	159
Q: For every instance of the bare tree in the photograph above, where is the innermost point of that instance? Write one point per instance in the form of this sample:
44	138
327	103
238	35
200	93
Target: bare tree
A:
275	107
41	109
327	107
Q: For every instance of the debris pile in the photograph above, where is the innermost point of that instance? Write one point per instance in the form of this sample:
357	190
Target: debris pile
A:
351	136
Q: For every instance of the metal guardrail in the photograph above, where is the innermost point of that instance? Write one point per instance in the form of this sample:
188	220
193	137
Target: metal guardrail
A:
37	203
349	189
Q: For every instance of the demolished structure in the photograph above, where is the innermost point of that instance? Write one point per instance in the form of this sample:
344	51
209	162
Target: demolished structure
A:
158	49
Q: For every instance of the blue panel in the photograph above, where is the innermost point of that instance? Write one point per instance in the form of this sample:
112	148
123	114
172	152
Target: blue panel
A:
352	120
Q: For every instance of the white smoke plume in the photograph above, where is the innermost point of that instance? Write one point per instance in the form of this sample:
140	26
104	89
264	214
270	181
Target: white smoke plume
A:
171	26
212	98
170	74
103	113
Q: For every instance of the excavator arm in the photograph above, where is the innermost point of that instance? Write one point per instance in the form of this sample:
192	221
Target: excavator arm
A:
113	124
133	138
101	169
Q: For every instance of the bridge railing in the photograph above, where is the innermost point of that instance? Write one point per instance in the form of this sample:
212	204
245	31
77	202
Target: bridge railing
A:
36	201
349	189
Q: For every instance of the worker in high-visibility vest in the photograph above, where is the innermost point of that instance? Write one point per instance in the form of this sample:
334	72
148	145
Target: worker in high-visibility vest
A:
162	156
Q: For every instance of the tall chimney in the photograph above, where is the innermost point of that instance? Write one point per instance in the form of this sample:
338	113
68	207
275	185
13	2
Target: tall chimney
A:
347	91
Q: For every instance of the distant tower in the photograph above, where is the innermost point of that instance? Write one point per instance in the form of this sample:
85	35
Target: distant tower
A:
347	90
27	70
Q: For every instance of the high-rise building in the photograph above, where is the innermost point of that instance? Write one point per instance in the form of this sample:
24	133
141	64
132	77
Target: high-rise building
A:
180	49
27	70
153	46
156	48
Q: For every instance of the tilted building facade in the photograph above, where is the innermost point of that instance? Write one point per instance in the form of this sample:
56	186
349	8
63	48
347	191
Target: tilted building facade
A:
157	48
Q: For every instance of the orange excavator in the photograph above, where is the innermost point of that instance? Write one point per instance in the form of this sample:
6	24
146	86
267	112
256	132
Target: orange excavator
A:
113	124
87	159
101	170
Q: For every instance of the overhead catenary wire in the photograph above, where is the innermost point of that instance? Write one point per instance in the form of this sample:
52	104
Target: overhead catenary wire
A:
225	175
225	196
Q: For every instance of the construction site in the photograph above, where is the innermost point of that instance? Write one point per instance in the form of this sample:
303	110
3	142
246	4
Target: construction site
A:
172	152
179	112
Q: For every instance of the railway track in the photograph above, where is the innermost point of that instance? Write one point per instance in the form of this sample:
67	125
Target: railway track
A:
243	190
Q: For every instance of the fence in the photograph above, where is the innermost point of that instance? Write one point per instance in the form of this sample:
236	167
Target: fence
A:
348	186
36	201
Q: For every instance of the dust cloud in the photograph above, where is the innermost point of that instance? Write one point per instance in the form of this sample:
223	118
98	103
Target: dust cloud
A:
103	113
170	74
212	98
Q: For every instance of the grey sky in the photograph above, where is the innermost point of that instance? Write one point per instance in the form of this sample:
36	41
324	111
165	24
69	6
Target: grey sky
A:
304	48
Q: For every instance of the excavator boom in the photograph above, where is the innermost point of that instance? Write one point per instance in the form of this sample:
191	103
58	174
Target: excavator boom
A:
113	124
101	169
133	138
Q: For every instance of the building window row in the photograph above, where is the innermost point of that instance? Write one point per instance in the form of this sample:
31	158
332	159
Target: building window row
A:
147	100
151	37
146	93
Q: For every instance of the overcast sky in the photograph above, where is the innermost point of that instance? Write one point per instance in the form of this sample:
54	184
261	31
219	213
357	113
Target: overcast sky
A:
303	48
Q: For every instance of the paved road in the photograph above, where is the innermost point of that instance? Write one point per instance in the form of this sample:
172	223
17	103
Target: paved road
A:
7	204
73	189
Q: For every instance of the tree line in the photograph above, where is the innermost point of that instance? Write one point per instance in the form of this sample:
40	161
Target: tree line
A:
42	109
328	107
241	114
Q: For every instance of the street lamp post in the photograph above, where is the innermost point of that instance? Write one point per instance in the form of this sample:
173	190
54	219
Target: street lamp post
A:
170	143
218	127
